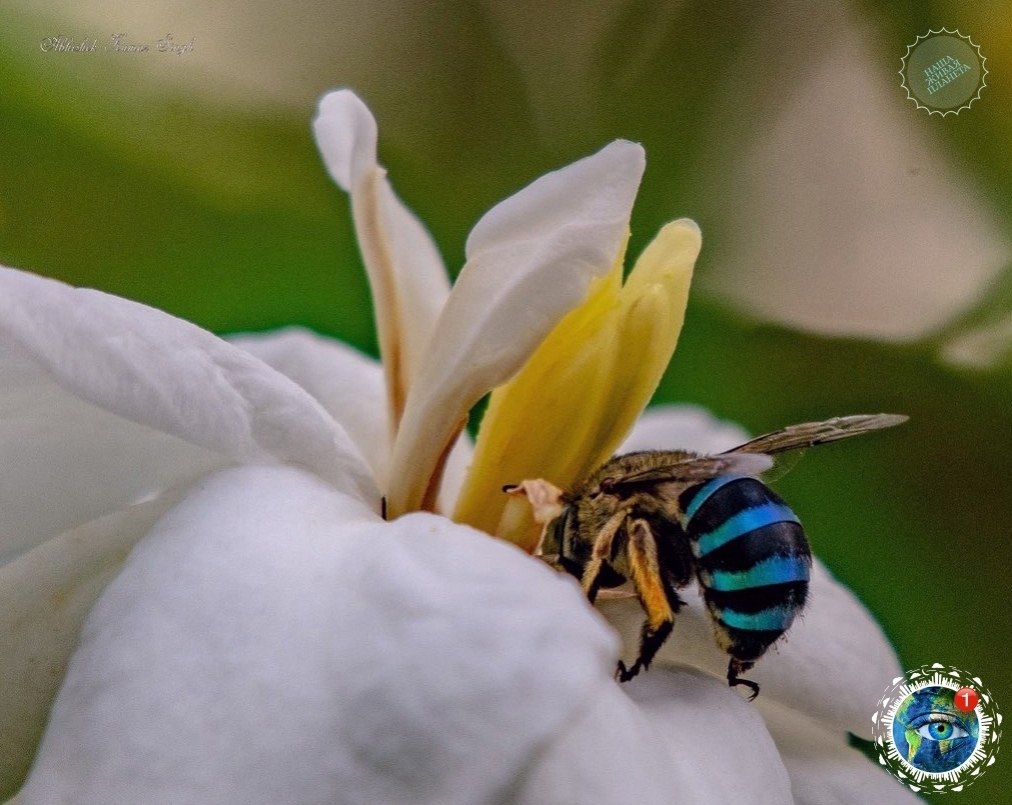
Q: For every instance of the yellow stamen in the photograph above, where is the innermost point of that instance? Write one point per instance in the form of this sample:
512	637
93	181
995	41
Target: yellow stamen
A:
566	411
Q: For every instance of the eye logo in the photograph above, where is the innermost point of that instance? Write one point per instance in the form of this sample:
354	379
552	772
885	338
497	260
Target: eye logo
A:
930	733
937	729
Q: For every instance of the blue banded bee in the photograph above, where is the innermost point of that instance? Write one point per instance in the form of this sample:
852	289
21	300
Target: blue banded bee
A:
660	518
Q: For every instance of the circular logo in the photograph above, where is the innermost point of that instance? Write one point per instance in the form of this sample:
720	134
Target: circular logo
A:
937	729
943	72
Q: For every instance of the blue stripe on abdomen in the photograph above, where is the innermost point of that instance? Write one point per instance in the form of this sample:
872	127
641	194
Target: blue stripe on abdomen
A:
774	619
741	523
704	493
775	570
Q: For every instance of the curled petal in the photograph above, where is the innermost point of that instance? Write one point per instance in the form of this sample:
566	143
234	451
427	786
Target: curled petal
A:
346	136
595	372
170	376
271	640
406	274
530	260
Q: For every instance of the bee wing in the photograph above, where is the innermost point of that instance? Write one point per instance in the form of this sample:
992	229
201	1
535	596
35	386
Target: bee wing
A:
691	470
753	457
810	434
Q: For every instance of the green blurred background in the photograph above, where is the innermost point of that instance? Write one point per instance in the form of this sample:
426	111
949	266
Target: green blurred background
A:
856	251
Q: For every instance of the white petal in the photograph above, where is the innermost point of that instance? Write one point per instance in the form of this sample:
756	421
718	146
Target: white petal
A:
683	427
457	465
346	136
844	214
406	274
272	641
835	659
832	663
348	384
67	462
824	770
167	374
687	739
562	210
981	347
44	597
719	743
530	260
610	754
421	283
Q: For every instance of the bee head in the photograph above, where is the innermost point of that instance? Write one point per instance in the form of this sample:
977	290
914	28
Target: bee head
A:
558	541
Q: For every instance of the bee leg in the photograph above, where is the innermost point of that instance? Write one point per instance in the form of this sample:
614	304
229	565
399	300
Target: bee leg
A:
591	579
735	667
658	604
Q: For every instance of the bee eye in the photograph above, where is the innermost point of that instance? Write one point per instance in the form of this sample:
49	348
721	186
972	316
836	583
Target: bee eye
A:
555	533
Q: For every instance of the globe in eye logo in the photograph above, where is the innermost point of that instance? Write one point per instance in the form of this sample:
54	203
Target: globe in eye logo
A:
937	729
931	733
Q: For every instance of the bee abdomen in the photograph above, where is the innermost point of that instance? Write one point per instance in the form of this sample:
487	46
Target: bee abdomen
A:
752	560
738	585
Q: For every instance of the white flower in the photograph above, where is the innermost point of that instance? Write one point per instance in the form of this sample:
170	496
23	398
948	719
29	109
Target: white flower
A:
258	633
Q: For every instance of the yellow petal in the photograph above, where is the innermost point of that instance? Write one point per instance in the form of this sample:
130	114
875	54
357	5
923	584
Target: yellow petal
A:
571	404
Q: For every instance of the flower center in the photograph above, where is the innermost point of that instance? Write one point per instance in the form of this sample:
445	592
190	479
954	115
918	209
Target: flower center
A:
568	409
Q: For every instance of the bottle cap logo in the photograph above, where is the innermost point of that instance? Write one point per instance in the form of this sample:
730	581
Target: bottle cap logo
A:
943	72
